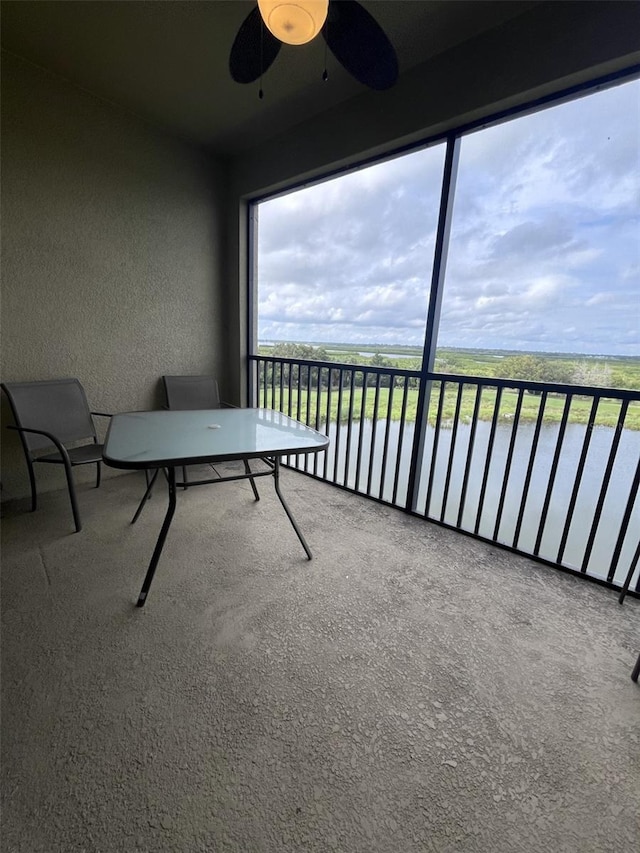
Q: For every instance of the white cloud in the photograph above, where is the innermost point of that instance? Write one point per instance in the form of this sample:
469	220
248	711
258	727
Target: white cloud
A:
544	249
600	298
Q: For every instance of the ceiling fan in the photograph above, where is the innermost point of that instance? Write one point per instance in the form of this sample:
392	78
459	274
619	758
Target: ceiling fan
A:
354	37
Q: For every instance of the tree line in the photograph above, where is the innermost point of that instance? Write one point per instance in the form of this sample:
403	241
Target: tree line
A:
527	367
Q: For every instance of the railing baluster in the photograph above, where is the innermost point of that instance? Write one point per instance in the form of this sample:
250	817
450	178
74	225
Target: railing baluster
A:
299	394
507	467
488	457
299	406
309	394
328	422
552	473
578	479
387	430
467	467
622	414
265	393
349	423
374	425
403	414
363	403
281	406
273	384
307	421
254	370
338	416
434	449
532	459
317	425
452	450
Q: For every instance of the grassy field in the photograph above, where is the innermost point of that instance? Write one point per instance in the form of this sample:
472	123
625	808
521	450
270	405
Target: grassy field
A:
602	371
613	371
607	414
620	371
607	371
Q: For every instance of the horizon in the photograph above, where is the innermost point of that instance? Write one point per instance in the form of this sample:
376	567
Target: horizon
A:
368	347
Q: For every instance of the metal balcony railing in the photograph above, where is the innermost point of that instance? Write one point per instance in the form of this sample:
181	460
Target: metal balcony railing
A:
545	470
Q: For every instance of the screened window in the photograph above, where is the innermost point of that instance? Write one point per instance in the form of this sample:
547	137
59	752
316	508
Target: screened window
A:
544	251
349	261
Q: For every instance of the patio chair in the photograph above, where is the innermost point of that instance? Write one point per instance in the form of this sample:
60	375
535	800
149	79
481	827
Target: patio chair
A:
187	393
54	414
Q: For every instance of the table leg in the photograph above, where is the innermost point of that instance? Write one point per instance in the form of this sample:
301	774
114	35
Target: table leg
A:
247	471
166	524
276	480
146	495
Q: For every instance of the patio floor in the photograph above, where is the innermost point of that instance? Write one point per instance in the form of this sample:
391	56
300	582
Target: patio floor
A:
410	689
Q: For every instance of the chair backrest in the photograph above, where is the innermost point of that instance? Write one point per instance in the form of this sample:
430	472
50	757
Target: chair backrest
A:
191	392
58	406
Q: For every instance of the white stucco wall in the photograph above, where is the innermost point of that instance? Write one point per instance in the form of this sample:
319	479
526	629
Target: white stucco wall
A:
111	253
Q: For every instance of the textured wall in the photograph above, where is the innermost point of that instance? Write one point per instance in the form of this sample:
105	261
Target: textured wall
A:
111	253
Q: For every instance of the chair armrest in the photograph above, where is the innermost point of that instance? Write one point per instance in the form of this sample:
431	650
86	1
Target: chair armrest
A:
55	441
101	414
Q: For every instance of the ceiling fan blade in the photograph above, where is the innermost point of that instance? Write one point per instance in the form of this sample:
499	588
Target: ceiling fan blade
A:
359	44
254	49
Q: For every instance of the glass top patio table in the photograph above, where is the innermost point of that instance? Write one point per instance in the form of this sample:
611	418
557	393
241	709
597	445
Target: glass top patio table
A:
166	440
138	440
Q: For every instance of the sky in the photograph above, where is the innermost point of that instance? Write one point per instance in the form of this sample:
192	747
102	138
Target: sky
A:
544	251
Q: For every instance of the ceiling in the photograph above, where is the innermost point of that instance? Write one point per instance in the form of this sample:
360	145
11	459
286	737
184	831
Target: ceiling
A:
167	62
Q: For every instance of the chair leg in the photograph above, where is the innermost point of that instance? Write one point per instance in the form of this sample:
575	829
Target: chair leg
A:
184	478
98	474
247	470
636	670
32	481
72	496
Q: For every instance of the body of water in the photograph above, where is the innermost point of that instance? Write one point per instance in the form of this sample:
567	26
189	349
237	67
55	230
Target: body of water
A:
383	354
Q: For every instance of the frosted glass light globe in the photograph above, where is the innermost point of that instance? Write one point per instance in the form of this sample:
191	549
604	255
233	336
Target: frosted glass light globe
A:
294	21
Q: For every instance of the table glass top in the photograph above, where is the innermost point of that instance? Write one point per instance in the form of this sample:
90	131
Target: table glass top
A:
155	439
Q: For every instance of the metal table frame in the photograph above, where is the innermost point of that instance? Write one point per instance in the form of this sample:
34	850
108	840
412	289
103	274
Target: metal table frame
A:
166	440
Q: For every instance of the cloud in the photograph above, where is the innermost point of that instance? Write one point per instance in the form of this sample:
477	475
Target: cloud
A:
533	239
600	299
544	251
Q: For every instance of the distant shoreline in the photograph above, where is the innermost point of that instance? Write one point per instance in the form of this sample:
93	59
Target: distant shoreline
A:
581	369
416	351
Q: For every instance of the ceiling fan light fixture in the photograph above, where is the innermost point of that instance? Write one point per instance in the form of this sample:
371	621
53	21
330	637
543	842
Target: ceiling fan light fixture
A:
294	21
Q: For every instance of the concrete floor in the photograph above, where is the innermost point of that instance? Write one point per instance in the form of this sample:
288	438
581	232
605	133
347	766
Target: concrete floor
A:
410	689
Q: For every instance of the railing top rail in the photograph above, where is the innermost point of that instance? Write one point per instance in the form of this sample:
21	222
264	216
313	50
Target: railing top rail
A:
337	365
528	385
